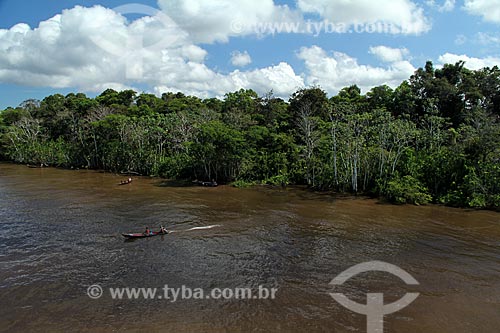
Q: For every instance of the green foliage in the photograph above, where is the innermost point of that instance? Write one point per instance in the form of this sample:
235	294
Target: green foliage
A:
481	186
217	151
436	136
174	167
243	183
281	179
11	116
406	190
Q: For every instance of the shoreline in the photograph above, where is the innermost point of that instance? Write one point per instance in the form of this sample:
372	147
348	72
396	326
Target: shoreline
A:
165	182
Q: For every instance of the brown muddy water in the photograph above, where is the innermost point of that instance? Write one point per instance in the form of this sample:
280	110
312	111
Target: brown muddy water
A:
60	232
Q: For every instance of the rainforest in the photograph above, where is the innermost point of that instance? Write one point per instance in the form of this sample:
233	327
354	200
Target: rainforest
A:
433	139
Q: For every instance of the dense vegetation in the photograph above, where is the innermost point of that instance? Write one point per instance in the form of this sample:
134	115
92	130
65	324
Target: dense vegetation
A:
433	139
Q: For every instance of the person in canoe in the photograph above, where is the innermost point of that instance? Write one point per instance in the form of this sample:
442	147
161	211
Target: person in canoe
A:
163	230
148	232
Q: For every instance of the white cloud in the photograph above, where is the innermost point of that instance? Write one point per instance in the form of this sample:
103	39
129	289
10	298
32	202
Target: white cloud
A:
404	15
488	9
338	70
281	79
447	6
240	59
194	53
488	39
470	62
84	48
62	53
59	53
388	54
460	39
218	20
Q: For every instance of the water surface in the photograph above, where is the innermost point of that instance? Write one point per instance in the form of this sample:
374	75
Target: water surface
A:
60	233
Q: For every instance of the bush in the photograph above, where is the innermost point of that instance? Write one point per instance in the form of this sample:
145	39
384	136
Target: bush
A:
495	201
243	183
279	180
174	167
406	190
453	198
478	201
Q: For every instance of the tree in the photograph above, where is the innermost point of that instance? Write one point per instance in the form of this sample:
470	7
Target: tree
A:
217	151
314	99
308	133
381	97
435	137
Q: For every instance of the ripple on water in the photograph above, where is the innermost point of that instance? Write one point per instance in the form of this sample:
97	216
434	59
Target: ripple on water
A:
60	232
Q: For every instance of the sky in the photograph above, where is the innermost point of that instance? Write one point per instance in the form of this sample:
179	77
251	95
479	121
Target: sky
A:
210	47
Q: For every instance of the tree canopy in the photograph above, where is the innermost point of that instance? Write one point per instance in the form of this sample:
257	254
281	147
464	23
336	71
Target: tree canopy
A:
435	138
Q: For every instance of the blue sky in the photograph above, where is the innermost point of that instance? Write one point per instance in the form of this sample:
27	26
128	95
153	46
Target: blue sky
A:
210	47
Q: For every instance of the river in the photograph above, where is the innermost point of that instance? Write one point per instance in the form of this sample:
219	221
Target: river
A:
60	232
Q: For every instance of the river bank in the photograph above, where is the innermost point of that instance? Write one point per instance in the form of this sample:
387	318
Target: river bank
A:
163	182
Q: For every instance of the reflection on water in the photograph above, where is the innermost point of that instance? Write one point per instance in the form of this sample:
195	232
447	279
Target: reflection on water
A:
60	231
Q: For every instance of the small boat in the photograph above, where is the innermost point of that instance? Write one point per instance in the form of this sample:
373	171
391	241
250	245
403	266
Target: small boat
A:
126	182
36	166
213	183
135	236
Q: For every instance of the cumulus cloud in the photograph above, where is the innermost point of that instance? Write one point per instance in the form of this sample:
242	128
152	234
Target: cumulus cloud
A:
488	39
388	54
488	9
460	39
218	20
281	79
82	47
404	15
337	70
447	6
240	59
93	48
470	62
